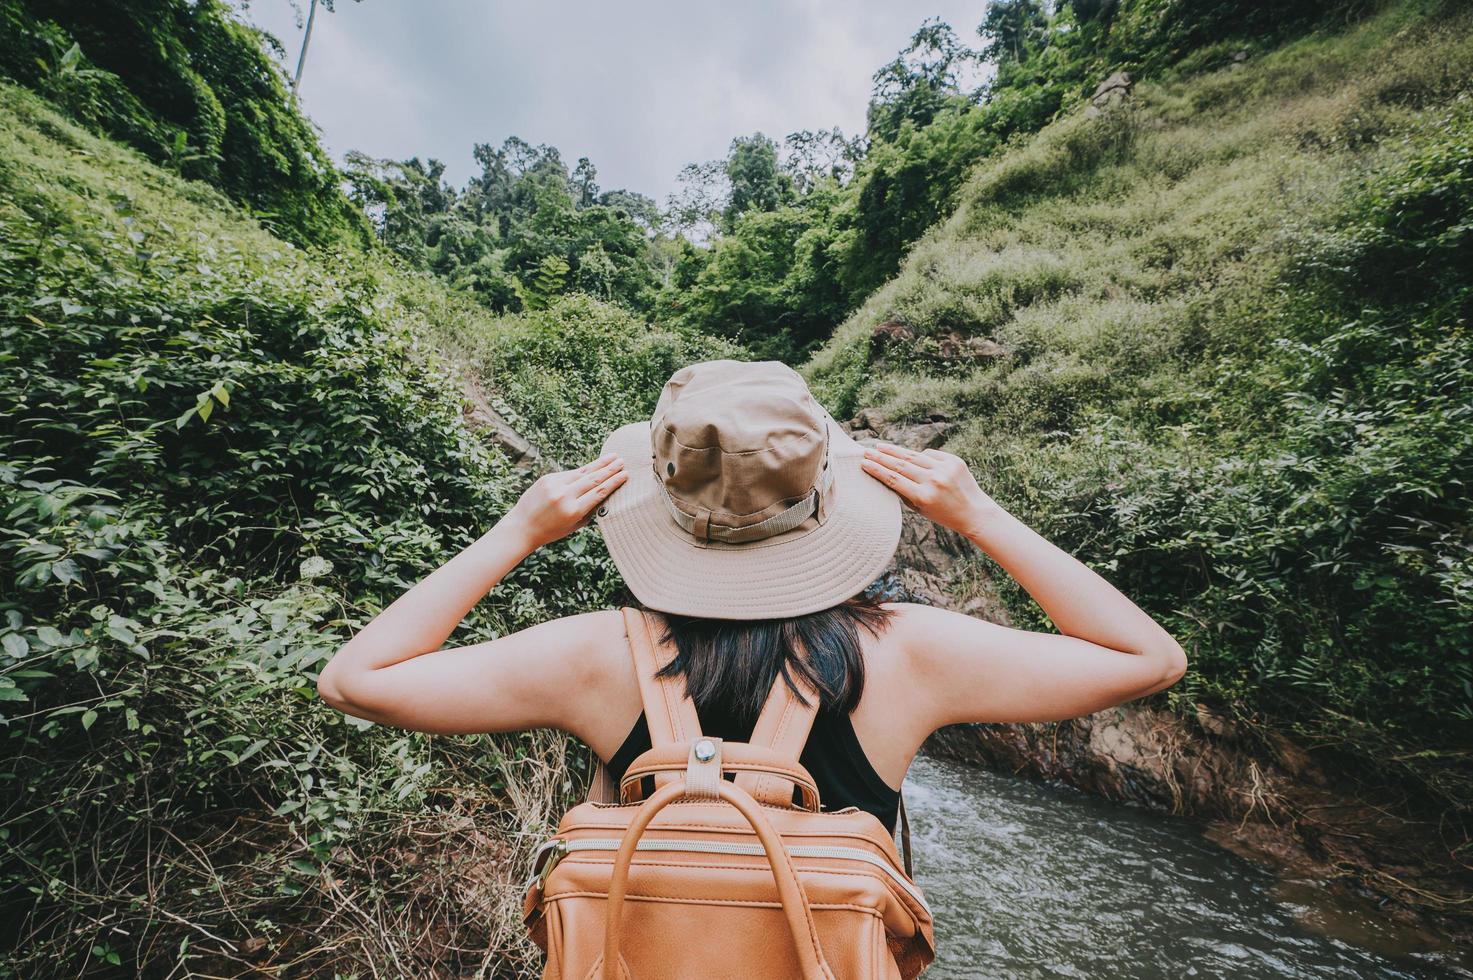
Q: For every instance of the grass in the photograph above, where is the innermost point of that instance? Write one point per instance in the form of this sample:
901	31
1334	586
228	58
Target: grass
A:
1165	279
1127	240
222	455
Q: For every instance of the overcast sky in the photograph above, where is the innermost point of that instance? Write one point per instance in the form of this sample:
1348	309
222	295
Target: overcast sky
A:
641	87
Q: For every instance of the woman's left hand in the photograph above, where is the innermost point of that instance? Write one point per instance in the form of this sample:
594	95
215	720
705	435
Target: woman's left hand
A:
560	503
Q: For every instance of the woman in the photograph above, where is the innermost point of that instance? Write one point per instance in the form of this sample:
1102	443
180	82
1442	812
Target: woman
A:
753	523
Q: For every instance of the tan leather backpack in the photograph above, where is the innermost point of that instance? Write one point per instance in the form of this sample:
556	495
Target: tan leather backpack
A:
717	877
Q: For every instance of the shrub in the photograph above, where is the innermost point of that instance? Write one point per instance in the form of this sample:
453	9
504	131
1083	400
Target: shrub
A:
567	375
219	459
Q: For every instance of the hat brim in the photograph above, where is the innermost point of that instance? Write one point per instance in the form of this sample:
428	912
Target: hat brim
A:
800	571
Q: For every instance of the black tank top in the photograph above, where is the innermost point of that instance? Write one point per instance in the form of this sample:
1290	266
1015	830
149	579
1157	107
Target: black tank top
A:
832	755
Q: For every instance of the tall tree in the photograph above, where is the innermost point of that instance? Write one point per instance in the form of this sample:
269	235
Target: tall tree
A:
1014	30
403	200
811	155
695	207
920	80
757	182
585	182
640	208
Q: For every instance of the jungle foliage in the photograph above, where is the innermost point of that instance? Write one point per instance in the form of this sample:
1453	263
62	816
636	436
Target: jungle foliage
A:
774	244
195	90
785	268
1227	363
522	232
220	457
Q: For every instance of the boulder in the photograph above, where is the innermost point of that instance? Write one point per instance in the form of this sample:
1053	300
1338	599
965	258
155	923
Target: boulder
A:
953	347
930	434
927	560
1111	93
946	348
891	333
1114	89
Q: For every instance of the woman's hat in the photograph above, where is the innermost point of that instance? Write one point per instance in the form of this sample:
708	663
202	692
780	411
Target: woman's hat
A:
745	500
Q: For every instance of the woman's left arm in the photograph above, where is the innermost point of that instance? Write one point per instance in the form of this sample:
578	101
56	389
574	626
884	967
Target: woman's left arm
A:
394	671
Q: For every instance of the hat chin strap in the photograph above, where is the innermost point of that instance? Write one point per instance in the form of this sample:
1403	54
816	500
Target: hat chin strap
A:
812	503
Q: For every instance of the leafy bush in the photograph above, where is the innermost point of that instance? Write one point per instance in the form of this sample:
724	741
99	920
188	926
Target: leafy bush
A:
219	459
190	86
762	285
565	376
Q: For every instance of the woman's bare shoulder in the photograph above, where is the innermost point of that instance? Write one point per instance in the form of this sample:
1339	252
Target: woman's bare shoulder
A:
916	632
913	621
892	643
920	616
600	631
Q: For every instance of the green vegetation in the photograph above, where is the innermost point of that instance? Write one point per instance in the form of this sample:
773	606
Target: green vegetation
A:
523	232
794	235
191	87
1233	317
786	268
1213	338
220	459
566	376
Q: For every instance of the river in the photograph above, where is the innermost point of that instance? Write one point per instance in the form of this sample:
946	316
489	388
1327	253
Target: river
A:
1033	880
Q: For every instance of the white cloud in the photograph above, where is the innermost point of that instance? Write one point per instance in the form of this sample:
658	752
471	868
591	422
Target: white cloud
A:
641	87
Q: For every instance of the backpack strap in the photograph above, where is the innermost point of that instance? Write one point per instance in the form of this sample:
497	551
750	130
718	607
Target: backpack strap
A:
782	726
668	712
669	715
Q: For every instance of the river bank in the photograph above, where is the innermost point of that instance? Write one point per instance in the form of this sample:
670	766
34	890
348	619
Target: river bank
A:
1371	874
1299	811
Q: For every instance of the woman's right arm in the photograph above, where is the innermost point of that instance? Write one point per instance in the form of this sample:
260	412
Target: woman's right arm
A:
966	669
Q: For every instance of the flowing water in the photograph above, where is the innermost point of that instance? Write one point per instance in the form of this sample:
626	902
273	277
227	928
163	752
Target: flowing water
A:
1033	880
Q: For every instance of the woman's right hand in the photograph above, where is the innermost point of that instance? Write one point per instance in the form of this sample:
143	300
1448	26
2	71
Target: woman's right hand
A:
558	504
936	484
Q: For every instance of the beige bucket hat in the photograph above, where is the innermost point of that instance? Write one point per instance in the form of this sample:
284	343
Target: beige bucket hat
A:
745	500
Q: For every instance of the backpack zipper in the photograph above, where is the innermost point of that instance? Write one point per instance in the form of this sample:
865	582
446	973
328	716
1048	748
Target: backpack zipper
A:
559	848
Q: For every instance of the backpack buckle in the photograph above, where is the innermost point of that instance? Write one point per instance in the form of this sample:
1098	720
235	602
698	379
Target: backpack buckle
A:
703	769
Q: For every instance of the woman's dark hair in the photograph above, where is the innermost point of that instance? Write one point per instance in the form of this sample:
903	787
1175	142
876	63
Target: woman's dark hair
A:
732	662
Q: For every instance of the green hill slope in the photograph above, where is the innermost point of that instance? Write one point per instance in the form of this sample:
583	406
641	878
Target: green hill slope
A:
1215	340
194	89
220	455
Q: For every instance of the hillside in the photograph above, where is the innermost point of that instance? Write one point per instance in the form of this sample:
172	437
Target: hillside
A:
1212	336
221	455
194	89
